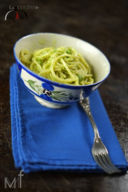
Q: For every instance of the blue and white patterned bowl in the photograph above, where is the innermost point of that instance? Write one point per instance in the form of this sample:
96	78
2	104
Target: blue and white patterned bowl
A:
50	93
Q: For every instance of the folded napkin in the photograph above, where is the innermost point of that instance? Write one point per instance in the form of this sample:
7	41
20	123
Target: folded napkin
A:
57	139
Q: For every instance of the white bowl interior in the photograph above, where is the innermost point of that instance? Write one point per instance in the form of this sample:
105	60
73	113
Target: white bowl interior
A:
94	56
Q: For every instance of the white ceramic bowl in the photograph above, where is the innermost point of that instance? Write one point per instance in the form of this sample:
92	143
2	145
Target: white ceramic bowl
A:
50	93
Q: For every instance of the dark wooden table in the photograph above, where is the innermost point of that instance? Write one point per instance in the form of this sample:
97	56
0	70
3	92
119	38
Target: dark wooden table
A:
102	23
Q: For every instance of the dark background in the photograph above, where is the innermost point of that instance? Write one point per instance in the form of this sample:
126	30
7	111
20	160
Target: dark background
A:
103	23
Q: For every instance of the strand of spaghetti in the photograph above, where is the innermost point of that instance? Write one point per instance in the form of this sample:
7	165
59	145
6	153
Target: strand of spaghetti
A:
70	72
66	67
56	78
37	64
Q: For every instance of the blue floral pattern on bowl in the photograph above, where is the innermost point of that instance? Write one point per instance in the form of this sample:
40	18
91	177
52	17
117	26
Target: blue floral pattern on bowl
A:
47	86
47	91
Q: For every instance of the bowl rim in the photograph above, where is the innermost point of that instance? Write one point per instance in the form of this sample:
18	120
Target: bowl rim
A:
54	82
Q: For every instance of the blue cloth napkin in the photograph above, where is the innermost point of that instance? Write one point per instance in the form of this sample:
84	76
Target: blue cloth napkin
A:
57	139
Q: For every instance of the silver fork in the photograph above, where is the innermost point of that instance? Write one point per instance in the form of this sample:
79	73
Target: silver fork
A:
99	151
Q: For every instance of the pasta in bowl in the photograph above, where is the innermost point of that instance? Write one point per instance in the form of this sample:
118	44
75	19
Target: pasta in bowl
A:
63	65
56	68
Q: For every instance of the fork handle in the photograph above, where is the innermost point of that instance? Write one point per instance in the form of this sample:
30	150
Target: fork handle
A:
86	108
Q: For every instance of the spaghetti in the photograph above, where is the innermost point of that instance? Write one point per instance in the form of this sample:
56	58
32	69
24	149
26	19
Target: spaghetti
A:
63	65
